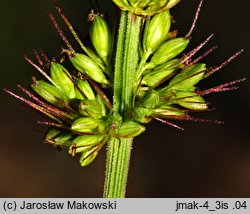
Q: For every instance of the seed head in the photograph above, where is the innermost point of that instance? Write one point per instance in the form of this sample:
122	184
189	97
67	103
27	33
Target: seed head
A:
75	96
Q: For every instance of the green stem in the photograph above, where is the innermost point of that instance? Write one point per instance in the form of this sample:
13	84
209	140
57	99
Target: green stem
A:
118	158
126	62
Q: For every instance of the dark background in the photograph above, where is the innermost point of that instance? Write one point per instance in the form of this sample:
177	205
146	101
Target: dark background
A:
205	160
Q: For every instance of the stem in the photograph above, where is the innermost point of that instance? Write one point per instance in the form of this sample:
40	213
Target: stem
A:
126	62
118	158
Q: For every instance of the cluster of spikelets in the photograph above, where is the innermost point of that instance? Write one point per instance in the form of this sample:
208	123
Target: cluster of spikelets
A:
77	97
145	7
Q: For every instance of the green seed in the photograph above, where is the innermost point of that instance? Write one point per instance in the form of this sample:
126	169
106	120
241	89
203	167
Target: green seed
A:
95	57
156	5
188	77
139	3
171	63
169	50
142	115
151	100
122	4
101	37
84	124
172	3
157	31
160	2
102	125
52	133
130	129
167	111
87	66
141	92
87	140
74	150
58	137
86	157
102	104
161	73
190	100
85	88
48	92
145	7
154	78
134	3
64	140
91	108
61	78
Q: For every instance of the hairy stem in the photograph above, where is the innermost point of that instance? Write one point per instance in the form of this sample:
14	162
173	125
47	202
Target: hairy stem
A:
118	157
126	62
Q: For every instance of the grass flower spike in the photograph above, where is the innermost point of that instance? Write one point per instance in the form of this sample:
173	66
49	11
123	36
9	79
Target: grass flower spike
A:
103	94
145	7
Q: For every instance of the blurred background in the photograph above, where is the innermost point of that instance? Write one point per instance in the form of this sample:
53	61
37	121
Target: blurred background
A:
204	160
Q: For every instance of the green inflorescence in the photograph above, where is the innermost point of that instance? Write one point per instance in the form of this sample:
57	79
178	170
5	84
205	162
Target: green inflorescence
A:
160	85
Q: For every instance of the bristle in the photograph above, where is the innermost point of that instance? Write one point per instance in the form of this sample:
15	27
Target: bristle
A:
59	30
226	62
38	57
203	55
68	108
51	109
72	30
195	19
231	58
38	68
195	50
169	124
198	111
45	56
218	122
190	118
48	123
33	105
222	87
